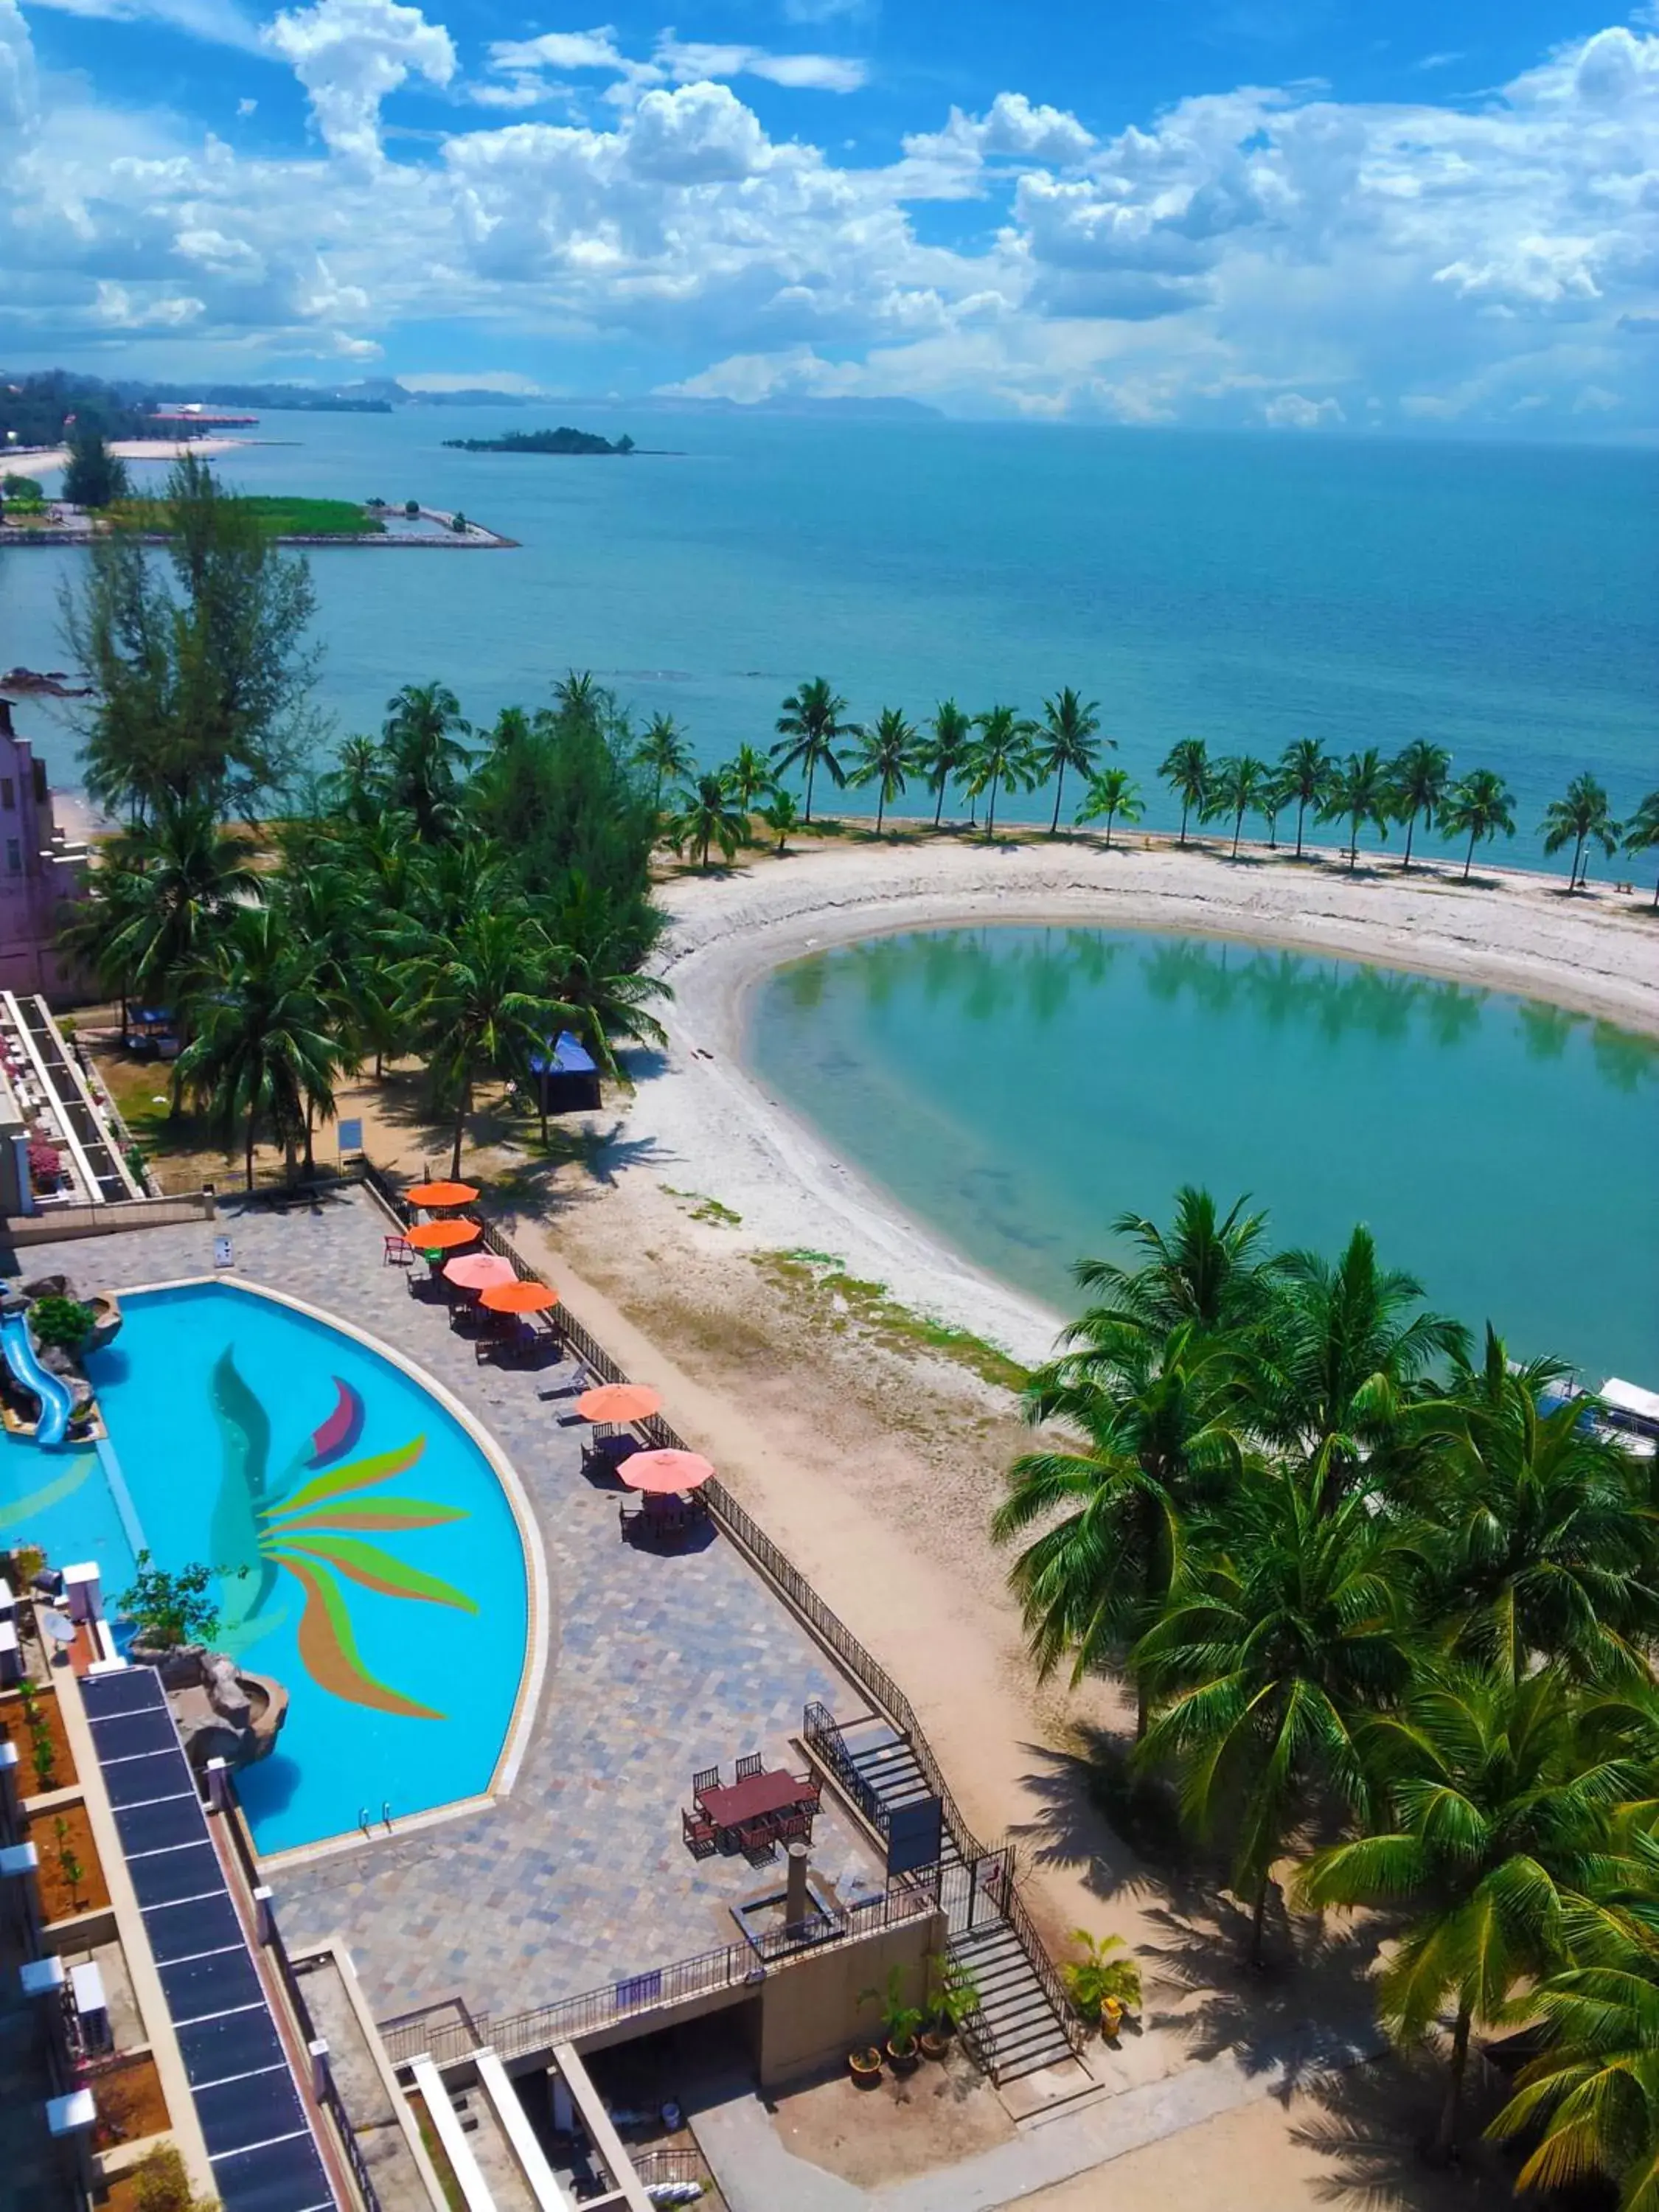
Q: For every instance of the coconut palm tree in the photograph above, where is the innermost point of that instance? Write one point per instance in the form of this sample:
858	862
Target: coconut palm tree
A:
1347	1346
1304	768
946	751
1420	776
473	998
1001	756
1290	1633
781	815
663	751
1112	1513
1544	1543
590	970
1235	788
1580	819
1066	739
810	728
1276	796
1500	1805
1481	803
1642	833
105	930
1186	769
1112	791
1203	1271
1589	2101
706	816
885	757
423	745
264	1049
747	776
1359	791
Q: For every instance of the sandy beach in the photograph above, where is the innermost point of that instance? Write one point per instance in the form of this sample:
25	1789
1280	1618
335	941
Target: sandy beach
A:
1596	953
133	449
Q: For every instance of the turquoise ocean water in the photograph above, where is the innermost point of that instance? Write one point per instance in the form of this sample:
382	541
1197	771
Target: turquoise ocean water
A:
401	1658
1017	1088
1502	600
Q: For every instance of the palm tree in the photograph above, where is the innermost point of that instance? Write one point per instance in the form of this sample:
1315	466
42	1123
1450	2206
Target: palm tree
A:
577	695
663	751
1202	1271
1065	738
1359	791
1501	1821
885	757
356	786
1276	796
1284	1642
1304	770
1642	833
1420	776
746	777
1001	755
1155	1442
107	930
592	969
1235	789
263	1049
945	752
472	994
1595	2086
809	729
706	816
1186	769
422	743
1481	803
1112	791
1346	1351
781	815
1579	819
1544	1540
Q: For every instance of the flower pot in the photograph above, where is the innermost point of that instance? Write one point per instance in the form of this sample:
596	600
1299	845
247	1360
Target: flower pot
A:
935	2043
903	2058
865	2067
1111	2017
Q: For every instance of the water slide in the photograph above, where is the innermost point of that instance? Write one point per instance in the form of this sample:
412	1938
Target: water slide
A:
56	1400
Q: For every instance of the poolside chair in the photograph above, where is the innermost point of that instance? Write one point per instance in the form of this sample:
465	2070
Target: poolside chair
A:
750	1763
397	1253
810	1790
629	1522
699	1834
756	1841
792	1828
705	1777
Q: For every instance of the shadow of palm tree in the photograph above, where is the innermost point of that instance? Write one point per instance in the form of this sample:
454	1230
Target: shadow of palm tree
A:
1123	1831
1369	2123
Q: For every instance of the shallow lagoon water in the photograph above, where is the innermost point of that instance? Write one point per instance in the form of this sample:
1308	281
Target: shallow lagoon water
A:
1016	1088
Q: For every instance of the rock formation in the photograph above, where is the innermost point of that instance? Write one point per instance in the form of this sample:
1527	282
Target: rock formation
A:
222	1711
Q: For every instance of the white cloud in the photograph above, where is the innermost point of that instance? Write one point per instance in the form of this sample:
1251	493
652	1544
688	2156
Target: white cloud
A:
17	79
1010	126
700	134
560	50
799	72
1291	410
219	21
350	54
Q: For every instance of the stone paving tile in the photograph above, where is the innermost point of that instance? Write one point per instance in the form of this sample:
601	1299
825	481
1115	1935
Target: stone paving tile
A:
657	1665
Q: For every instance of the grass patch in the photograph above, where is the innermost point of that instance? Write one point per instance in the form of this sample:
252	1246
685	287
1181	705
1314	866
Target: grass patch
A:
284	515
706	1209
841	1301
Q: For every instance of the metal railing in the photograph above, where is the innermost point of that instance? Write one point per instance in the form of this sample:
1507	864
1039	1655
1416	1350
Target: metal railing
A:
710	1973
820	1732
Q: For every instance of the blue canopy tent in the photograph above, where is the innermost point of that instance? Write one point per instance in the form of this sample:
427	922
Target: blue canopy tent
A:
566	1076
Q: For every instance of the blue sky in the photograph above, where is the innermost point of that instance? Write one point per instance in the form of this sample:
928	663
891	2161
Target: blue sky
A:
1302	214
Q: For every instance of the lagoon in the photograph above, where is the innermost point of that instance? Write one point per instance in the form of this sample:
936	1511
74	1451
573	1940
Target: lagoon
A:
1015	1088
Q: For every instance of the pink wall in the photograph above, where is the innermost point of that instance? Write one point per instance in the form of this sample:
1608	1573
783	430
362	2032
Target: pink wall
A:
39	873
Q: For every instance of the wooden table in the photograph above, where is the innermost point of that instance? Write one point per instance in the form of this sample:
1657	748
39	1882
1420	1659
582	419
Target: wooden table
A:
752	1799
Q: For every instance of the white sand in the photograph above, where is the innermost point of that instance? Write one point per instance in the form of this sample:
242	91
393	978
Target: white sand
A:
132	449
713	1129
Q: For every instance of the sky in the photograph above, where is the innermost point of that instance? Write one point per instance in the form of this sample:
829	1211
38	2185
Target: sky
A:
1303	216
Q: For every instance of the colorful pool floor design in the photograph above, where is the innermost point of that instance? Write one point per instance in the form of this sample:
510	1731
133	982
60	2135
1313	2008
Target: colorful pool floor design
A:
364	1552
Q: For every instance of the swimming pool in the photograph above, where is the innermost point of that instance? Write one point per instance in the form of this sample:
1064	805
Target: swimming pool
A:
365	1551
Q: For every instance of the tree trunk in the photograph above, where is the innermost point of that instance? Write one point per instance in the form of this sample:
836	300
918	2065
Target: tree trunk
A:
1185	804
1353	845
1111	811
939	810
812	770
1238	829
1468	857
248	1155
311	1162
1445	2137
1143	1707
1411	824
1259	1920
1059	786
991	812
460	1133
1578	857
1301	809
881	806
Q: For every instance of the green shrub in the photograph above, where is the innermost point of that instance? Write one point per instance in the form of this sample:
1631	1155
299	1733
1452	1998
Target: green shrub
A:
63	1321
168	1610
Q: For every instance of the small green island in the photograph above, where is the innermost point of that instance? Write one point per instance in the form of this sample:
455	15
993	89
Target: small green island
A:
564	439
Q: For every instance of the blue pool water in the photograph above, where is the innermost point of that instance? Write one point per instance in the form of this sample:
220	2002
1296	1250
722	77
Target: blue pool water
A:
365	1553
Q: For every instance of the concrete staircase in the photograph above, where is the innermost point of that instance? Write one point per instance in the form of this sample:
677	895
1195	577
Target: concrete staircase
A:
1018	2027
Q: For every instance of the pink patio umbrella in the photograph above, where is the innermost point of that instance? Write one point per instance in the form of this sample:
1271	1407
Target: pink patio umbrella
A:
477	1271
662	1474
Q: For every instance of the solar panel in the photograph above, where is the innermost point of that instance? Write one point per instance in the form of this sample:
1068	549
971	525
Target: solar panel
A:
264	2155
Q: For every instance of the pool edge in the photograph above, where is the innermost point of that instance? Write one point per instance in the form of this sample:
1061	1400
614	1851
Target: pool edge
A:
533	1675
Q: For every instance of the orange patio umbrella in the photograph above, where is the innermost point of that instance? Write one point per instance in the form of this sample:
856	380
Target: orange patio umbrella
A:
477	1271
518	1297
441	1194
662	1473
441	1236
619	1401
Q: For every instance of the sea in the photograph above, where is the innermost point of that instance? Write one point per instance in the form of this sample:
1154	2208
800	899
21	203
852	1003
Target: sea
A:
1500	600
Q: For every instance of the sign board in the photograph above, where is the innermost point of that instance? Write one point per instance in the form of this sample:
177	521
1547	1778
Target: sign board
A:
913	1835
351	1136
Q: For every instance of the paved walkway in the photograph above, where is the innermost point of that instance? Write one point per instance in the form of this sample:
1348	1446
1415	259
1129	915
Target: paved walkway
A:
657	1665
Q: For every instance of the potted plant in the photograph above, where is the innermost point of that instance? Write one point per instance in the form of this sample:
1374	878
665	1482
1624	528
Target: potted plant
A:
952	1996
900	2022
1102	1987
864	2063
